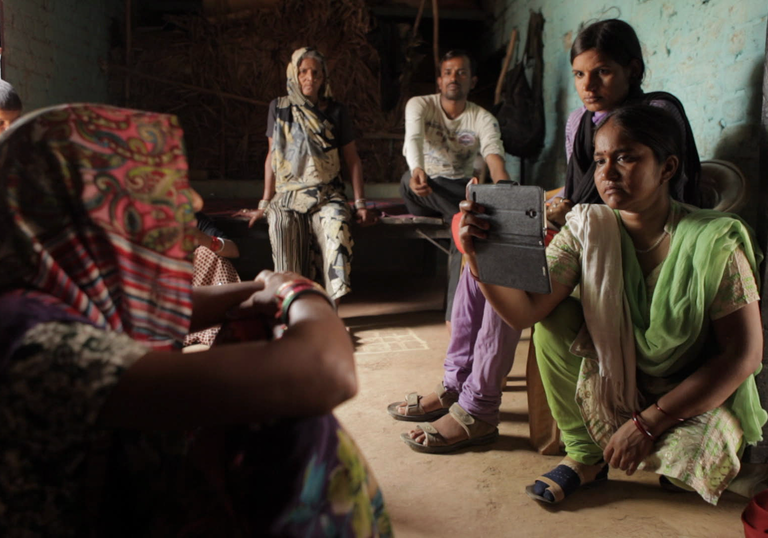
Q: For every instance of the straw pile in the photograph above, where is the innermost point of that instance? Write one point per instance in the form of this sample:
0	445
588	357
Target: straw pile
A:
245	54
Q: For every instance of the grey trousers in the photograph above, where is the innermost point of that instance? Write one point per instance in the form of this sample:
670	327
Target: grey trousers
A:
443	202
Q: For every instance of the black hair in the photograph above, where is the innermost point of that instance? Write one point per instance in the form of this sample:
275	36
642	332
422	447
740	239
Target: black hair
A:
9	99
653	127
459	53
615	39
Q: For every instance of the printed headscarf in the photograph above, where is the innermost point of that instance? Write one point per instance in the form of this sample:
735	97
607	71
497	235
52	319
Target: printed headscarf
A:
96	214
303	153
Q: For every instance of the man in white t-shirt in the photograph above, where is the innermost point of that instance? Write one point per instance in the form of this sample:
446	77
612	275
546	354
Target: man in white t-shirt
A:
444	133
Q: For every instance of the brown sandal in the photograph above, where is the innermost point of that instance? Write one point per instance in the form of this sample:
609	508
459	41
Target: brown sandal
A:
478	432
415	412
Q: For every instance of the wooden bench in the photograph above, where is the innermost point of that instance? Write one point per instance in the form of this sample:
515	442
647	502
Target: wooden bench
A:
394	226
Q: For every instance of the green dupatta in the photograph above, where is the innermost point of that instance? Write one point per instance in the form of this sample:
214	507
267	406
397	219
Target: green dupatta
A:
688	282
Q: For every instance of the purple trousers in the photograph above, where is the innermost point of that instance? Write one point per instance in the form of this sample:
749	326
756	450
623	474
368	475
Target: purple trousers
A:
480	353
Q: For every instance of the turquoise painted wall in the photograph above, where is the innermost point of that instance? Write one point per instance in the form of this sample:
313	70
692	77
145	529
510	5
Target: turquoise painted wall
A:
709	53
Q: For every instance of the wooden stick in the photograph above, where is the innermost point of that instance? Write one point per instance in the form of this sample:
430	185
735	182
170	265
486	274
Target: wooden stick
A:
505	66
435	34
128	46
197	89
418	19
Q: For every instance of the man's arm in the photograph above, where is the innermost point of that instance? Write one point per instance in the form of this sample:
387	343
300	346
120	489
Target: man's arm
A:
414	134
496	167
492	149
414	146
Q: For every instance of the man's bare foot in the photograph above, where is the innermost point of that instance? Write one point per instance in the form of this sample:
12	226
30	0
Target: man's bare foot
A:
448	427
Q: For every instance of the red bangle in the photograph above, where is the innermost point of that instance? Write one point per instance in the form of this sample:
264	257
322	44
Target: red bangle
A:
641	427
665	413
292	290
217	243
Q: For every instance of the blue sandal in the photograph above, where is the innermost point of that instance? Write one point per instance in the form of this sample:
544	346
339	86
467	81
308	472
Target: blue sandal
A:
567	477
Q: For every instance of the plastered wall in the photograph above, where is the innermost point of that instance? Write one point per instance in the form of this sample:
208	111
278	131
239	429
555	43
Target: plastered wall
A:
709	53
52	49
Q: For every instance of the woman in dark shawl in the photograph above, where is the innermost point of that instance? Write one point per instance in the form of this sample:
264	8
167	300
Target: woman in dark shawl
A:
608	70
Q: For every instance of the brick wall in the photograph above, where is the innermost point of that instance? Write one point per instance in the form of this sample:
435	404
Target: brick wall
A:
709	53
52	49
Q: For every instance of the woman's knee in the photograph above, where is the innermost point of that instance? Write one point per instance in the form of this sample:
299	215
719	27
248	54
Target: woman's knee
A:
331	225
553	337
285	222
564	322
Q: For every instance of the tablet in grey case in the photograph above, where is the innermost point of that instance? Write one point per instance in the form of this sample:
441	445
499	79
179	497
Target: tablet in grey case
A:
514	254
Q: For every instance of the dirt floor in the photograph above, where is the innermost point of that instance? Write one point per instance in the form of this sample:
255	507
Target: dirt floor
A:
479	492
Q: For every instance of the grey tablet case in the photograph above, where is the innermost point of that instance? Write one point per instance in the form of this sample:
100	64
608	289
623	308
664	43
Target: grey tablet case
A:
514	254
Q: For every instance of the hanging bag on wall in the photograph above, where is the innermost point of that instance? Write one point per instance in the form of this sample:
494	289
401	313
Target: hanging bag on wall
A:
521	111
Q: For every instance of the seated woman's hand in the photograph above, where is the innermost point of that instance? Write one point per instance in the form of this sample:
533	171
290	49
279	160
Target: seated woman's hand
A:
627	448
252	215
201	238
557	209
366	217
262	303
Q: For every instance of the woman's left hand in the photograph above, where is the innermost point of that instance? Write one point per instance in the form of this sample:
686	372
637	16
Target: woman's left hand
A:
627	448
201	238
366	217
557	209
262	303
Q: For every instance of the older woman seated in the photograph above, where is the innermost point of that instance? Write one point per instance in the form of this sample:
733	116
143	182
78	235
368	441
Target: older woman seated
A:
310	137
655	368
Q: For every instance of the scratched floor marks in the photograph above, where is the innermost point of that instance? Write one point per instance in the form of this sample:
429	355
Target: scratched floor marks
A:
388	341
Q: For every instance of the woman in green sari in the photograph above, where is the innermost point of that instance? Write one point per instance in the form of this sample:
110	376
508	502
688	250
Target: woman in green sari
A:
653	368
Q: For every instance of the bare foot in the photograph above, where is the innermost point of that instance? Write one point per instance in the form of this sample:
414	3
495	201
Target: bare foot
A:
448	427
429	403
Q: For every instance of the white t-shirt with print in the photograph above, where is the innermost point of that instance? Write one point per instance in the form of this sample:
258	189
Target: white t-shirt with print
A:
447	147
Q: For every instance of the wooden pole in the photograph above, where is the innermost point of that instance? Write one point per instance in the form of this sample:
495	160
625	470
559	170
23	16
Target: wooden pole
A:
128	46
418	20
505	66
435	34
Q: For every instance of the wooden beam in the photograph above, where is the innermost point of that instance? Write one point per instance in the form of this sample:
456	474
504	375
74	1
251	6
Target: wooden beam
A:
436	34
128	47
198	89
408	13
418	20
505	66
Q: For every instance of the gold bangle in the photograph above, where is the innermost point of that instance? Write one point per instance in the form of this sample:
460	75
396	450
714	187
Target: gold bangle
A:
263	204
360	203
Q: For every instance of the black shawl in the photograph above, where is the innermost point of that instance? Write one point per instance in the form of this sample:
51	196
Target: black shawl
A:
579	180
